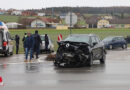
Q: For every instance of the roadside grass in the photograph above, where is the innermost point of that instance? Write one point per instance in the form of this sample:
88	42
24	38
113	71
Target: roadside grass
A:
9	18
102	33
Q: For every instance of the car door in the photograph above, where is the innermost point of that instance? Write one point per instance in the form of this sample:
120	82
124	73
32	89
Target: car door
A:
95	47
115	42
99	47
10	42
119	42
1	39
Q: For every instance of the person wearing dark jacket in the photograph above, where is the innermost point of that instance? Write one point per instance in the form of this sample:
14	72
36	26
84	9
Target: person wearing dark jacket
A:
46	42
25	35
29	45
38	41
17	38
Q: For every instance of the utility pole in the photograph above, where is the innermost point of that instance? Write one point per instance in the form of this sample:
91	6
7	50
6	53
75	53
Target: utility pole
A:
52	12
70	22
36	23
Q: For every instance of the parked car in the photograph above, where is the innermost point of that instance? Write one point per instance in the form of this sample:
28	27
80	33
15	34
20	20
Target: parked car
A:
80	50
50	46
127	39
6	43
115	42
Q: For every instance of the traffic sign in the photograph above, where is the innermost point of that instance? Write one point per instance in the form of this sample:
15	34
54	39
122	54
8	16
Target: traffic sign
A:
71	19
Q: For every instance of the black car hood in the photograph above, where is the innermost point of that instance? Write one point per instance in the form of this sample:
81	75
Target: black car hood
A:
72	43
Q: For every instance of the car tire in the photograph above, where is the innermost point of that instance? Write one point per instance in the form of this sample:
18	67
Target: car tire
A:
56	61
6	54
11	53
110	47
41	51
90	60
124	46
103	59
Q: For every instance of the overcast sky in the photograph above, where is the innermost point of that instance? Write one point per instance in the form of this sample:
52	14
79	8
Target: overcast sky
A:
36	4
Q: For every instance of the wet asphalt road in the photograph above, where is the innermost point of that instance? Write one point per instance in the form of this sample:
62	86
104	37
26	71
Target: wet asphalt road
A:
42	75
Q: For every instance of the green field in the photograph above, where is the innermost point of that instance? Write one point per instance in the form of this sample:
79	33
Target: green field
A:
9	18
54	33
12	18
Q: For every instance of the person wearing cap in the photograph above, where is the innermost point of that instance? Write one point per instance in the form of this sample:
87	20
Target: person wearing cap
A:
37	42
29	45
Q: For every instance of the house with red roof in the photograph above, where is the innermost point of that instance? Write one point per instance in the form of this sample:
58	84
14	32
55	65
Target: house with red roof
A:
29	13
45	23
2	12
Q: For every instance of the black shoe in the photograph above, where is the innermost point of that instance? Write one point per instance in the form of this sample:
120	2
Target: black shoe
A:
37	57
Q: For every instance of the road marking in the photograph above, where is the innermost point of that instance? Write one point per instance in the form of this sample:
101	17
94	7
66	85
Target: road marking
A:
38	61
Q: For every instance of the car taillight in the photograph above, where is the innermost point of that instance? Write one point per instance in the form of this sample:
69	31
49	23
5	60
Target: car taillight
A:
4	44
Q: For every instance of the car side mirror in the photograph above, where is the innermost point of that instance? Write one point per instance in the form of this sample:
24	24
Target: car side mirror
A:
12	38
95	43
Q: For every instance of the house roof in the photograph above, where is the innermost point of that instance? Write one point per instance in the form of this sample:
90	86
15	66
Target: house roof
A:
2	10
115	20
49	20
120	21
93	19
26	21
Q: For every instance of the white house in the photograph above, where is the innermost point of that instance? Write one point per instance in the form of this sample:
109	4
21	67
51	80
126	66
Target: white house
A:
63	15
41	14
13	25
38	24
17	13
44	22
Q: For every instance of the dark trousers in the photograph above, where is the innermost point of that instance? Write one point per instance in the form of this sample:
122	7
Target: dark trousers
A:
46	47
37	51
17	48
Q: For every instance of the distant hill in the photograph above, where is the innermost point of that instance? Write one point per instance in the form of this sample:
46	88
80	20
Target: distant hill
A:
89	10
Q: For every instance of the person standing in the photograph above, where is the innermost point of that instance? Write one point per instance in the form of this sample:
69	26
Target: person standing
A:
17	38
38	41
46	42
25	35
29	45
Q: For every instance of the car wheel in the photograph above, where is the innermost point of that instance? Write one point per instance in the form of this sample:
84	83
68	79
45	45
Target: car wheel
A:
6	53
41	51
57	59
90	60
124	46
110	47
103	59
11	53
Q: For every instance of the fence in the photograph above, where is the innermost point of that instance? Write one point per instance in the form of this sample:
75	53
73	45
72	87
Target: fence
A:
102	33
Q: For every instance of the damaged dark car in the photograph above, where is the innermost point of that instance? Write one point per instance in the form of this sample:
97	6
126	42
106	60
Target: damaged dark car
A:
80	50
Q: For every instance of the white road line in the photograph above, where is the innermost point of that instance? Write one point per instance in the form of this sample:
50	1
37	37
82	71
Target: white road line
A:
39	61
33	61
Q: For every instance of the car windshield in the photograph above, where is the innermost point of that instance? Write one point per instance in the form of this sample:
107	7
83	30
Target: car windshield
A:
43	38
108	39
80	38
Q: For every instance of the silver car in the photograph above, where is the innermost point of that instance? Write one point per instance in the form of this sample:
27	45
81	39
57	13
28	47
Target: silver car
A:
50	46
6	43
